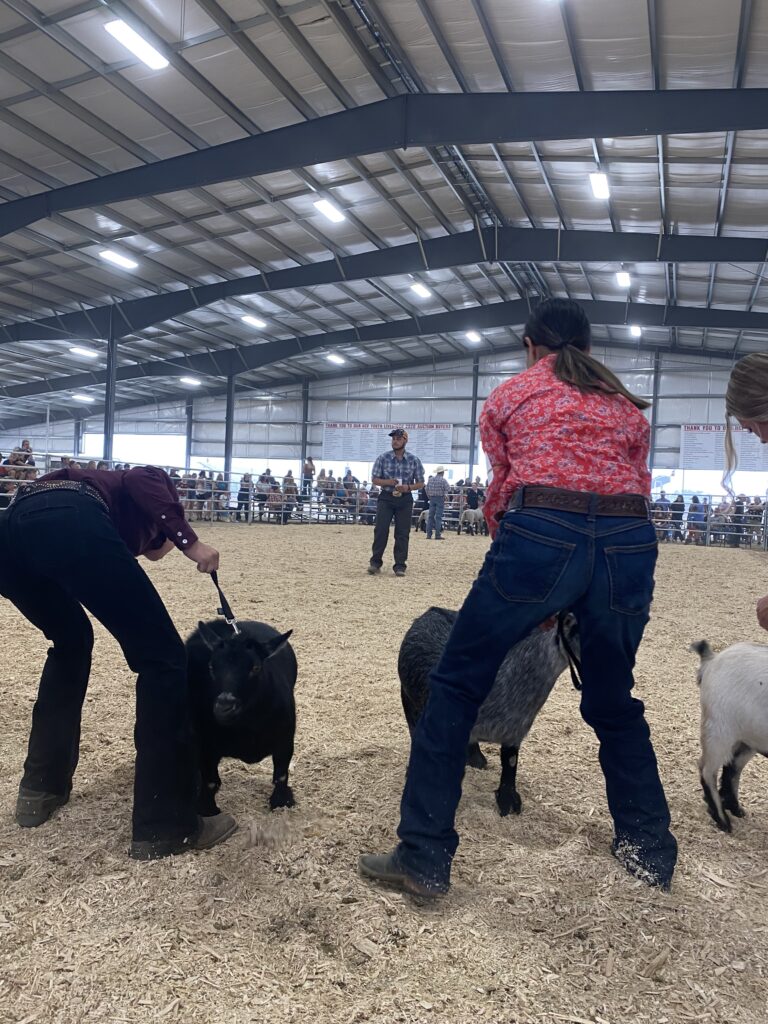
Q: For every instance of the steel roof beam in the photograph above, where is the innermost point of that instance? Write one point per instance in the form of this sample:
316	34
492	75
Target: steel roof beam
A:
240	359
543	245
95	411
413	120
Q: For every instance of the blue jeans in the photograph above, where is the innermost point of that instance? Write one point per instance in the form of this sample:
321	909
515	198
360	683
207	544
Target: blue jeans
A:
435	516
542	562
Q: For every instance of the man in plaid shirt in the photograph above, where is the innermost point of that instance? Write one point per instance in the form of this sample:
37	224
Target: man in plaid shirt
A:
397	473
437	488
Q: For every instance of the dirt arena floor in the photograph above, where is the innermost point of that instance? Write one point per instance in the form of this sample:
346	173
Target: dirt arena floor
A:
541	924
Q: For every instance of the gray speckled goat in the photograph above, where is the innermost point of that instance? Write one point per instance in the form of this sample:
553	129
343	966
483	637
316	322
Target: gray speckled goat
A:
522	685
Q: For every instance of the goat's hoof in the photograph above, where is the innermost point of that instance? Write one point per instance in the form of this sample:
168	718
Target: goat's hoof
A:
508	803
477	759
282	798
724	823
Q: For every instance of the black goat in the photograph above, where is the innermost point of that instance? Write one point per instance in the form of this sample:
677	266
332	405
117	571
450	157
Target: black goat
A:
241	688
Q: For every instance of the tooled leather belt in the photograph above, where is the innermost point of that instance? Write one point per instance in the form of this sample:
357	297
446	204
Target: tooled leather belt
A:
79	487
581	501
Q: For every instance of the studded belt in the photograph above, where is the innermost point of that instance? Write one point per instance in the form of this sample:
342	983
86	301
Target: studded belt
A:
79	487
581	501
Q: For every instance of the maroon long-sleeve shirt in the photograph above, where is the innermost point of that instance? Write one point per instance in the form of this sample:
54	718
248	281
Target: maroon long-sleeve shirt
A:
142	502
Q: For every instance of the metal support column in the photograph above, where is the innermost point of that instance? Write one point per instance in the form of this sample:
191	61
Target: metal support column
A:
473	416
78	439
654	407
189	409
304	447
304	422
109	388
229	427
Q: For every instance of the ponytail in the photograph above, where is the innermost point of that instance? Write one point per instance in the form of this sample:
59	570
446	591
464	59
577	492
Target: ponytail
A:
581	370
561	325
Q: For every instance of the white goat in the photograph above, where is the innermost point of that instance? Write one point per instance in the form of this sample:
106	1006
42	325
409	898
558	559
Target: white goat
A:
734	721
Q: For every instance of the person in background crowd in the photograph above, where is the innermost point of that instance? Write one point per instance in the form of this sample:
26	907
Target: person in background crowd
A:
676	512
91	464
263	488
662	501
24	451
307	476
102	465
696	522
175	476
221	497
203	495
321	482
398	473
437	488
291	494
243	498
754	513
564	426
368	515
70	541
117	468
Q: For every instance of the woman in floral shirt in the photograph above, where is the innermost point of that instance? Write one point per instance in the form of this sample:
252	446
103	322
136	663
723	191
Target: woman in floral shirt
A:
568	508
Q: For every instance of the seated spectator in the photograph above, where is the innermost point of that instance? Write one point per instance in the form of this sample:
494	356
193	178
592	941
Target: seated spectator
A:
91	464
275	503
24	451
662	522
102	465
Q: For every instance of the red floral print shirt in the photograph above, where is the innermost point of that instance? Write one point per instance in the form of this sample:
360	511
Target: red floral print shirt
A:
537	430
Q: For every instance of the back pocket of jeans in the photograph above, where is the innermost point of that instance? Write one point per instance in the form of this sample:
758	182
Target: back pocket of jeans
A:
630	572
526	566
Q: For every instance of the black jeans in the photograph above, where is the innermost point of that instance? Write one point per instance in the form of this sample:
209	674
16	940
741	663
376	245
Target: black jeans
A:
59	550
387	509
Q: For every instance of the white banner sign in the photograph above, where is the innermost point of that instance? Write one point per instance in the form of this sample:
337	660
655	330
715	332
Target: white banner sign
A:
362	442
702	446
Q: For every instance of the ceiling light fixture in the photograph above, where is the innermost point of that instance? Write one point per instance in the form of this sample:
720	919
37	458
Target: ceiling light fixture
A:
139	47
193	381
333	358
623	280
89	353
120	261
83	398
635	331
600	188
421	290
327	208
253	321
473	336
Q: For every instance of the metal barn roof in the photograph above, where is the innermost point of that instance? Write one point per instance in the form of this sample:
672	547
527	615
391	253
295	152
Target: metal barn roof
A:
455	139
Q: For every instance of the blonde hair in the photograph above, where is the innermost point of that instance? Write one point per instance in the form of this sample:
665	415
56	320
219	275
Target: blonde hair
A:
745	399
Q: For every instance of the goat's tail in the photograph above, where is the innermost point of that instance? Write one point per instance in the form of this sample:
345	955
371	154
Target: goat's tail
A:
702	648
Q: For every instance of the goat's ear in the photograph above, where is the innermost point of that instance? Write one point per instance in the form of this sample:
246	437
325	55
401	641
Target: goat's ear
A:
207	635
270	647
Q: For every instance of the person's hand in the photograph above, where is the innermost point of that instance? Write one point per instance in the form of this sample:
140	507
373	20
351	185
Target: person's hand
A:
762	611
207	558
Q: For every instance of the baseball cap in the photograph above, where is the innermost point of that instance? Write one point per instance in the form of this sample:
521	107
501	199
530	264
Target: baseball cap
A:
398	432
